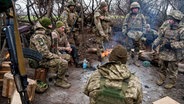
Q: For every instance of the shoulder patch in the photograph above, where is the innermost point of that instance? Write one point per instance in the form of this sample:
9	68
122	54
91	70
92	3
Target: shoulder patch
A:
40	41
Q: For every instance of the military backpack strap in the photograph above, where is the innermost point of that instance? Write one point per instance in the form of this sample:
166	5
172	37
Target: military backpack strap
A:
110	95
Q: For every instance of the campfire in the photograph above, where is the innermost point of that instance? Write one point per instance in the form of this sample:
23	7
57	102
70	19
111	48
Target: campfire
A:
106	52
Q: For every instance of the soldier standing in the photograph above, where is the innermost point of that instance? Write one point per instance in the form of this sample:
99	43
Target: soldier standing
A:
113	83
41	42
61	44
71	21
102	22
171	48
133	26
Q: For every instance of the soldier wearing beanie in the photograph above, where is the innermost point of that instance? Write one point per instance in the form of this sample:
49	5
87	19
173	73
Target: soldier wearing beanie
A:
41	42
61	44
102	29
113	83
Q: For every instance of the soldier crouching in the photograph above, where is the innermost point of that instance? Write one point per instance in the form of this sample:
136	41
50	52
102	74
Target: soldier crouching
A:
41	41
113	83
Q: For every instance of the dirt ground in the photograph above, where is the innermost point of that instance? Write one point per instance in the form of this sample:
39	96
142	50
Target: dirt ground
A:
79	76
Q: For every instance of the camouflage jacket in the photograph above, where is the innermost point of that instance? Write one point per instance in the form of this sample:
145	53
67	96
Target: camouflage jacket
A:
42	43
60	40
150	36
103	26
114	74
173	36
134	22
69	17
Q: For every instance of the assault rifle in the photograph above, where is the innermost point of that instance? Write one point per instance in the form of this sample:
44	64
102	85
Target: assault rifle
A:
74	24
16	52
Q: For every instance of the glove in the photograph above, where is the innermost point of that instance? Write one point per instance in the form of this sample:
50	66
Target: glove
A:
168	45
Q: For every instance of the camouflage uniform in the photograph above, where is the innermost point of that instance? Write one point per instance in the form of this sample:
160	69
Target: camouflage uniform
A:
150	35
102	27
134	26
171	49
113	83
59	43
69	18
41	41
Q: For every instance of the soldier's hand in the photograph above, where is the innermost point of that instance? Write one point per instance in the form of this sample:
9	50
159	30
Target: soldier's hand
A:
143	39
101	17
106	37
68	30
68	49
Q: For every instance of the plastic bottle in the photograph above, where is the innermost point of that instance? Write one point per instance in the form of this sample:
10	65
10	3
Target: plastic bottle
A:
85	64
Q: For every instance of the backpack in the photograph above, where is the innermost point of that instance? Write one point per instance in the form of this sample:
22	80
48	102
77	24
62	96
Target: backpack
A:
111	95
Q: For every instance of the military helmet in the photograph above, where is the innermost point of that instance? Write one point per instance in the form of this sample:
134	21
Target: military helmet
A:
119	53
103	4
135	5
71	3
59	24
45	22
176	14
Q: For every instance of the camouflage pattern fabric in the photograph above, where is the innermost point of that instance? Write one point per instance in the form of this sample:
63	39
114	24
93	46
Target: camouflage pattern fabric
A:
69	18
169	68
61	42
119	85
169	57
102	29
42	43
176	38
134	26
135	22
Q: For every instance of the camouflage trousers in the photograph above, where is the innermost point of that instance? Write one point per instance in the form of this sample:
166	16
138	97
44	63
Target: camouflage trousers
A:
65	56
134	50
169	69
100	45
74	38
56	66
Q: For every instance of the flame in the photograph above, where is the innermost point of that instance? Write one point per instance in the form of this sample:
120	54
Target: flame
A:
106	52
7	56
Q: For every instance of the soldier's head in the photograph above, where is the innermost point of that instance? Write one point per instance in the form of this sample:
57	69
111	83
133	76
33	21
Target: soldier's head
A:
119	53
135	6
148	27
175	16
60	26
46	22
71	5
104	6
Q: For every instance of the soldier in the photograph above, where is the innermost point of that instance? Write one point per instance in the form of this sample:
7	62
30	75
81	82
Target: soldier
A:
171	48
133	26
148	37
61	44
41	41
102	22
113	83
71	20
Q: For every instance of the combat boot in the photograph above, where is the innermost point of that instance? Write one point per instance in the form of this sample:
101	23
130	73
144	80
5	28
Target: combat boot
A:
161	79
170	84
136	61
62	83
